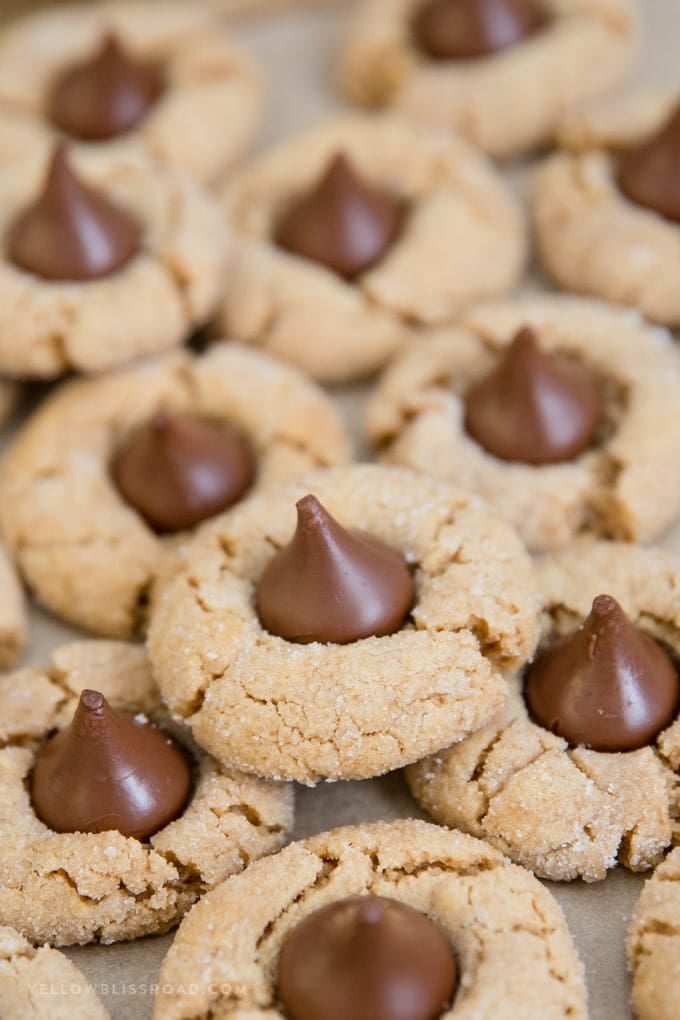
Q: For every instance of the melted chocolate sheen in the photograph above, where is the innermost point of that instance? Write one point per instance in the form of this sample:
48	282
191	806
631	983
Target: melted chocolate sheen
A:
534	407
344	223
333	585
608	686
107	771
366	958
468	29
179	469
105	96
72	232
650	174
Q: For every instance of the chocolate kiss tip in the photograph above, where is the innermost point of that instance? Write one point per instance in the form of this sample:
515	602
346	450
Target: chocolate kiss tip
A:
470	29
332	585
648	173
342	222
71	231
107	771
608	686
534	407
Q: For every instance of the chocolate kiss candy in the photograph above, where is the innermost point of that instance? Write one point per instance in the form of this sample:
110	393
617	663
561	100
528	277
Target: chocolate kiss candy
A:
108	771
179	469
650	173
466	29
535	408
366	958
106	96
608	686
71	231
333	585
344	223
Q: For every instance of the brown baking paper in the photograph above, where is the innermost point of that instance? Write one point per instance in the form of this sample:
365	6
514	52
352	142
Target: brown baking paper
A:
297	52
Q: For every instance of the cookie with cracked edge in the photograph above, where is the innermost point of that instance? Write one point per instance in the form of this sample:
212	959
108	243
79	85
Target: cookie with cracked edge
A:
569	812
593	238
576	54
508	935
85	552
462	238
653	944
76	888
346	711
625	485
211	99
42	984
153	303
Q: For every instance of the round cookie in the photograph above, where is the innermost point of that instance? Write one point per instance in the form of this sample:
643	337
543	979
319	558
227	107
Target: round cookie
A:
508	935
42	984
66	888
13	622
85	553
626	485
568	812
592	237
346	711
211	94
584	49
652	945
152	303
462	238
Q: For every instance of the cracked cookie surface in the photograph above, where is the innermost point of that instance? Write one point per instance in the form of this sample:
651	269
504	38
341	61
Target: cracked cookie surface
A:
464	239
627	486
206	118
42	984
569	812
653	944
84	552
66	888
346	711
169	288
592	238
586	48
509	936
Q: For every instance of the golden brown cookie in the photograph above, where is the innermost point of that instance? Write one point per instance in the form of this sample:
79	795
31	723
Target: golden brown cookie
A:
505	102
88	555
311	711
626	486
65	888
152	303
13	622
209	109
593	238
463	238
652	945
42	984
568	812
508	935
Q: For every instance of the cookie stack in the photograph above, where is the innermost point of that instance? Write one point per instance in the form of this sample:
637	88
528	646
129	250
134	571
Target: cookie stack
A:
486	613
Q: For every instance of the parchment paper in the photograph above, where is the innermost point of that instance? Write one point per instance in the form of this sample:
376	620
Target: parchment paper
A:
297	52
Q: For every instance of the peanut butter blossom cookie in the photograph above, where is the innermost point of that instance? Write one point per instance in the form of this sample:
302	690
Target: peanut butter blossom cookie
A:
42	984
607	207
578	770
111	824
390	921
500	71
102	485
349	234
653	949
118	77
336	626
103	262
560	412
